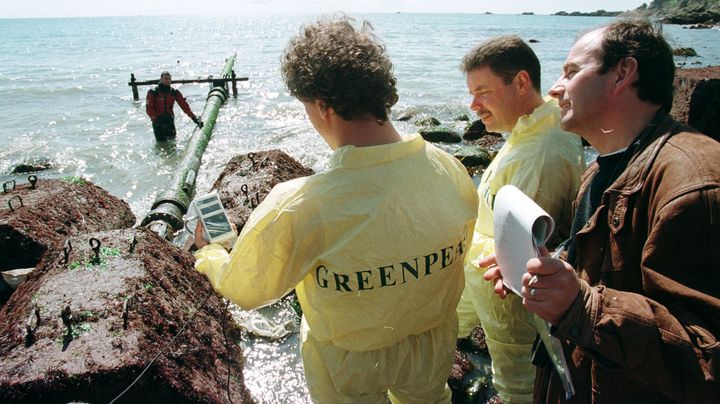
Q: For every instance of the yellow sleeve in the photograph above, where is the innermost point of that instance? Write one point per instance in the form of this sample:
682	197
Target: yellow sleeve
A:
261	267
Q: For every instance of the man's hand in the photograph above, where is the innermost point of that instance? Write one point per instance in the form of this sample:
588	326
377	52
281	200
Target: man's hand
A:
200	241
198	122
549	288
493	275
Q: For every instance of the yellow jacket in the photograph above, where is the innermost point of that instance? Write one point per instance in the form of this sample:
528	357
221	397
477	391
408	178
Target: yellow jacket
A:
541	160
374	246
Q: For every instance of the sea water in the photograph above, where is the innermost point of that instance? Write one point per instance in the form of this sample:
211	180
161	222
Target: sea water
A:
64	100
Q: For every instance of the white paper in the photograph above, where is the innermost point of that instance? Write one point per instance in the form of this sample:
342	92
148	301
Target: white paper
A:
521	226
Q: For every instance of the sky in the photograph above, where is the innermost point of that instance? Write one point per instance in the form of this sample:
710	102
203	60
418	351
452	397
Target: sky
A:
84	8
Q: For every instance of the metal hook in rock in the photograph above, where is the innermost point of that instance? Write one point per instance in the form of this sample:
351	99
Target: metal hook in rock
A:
10	202
133	243
251	156
66	251
32	179
126	314
244	189
95	245
29	327
66	316
6	186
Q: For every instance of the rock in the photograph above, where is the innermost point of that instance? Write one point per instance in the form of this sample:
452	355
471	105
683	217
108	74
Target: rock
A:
406	116
684	52
699	26
473	156
697	95
444	135
96	320
533	40
47	214
462	118
429	121
32	167
248	178
474	130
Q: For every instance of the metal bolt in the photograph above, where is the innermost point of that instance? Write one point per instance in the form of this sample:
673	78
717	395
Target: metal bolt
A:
95	245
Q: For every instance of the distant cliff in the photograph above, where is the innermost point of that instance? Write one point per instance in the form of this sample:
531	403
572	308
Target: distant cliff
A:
684	11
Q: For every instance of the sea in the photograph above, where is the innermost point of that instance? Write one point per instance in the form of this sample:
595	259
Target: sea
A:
65	101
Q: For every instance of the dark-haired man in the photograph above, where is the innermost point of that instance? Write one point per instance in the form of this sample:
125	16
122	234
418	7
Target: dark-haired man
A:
159	105
374	245
503	77
636	301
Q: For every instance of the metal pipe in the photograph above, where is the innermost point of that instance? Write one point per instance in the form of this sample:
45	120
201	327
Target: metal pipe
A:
167	212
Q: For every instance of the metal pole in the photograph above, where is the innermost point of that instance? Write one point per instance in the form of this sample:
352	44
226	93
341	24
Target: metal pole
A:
234	84
167	212
136	97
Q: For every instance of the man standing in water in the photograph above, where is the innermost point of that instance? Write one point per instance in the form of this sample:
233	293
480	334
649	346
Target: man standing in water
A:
374	245
636	298
503	77
159	105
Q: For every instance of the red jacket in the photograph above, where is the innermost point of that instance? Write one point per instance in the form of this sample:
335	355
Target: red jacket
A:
161	102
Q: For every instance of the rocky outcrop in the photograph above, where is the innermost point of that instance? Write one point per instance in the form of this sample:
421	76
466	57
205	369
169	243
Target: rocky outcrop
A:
248	178
126	310
440	134
42	213
696	100
598	13
684	12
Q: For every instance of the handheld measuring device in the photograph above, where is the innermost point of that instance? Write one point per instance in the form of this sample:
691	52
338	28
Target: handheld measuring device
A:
216	226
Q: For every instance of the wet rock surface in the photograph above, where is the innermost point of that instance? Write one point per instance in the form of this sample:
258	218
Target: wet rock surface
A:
697	95
85	324
34	218
248	178
471	375
440	134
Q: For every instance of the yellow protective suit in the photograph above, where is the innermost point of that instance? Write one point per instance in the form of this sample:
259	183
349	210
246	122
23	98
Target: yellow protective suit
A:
546	164
375	249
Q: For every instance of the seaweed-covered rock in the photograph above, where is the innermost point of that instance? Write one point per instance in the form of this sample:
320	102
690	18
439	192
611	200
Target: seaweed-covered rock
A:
697	95
32	166
36	217
91	318
443	135
473	156
248	178
429	121
684	52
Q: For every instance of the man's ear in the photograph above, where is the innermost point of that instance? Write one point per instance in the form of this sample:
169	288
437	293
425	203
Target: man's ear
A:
523	82
626	73
325	111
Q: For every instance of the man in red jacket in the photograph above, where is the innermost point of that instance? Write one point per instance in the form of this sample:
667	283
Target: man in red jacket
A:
159	107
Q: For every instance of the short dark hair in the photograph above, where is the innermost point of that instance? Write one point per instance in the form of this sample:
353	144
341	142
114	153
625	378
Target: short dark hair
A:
505	55
346	68
165	73
644	41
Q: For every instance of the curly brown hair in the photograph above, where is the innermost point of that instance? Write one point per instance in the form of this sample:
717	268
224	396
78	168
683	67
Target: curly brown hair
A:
345	68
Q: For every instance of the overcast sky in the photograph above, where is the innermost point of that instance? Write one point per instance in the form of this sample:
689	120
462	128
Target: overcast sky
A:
81	8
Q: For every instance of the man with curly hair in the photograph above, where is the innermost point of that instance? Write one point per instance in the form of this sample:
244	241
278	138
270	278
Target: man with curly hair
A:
374	245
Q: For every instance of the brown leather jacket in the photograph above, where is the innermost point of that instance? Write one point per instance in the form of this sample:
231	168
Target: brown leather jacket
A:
645	326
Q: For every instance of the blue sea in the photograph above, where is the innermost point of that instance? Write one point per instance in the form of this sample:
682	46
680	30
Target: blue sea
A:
65	99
